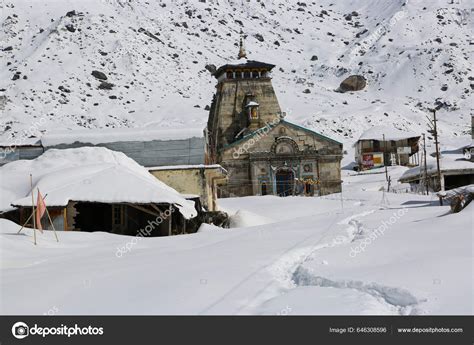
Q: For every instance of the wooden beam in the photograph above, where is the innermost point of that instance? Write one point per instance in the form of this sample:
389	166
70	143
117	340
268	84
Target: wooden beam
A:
143	209
157	208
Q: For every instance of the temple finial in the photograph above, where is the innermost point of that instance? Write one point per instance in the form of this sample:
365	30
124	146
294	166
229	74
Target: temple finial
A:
242	52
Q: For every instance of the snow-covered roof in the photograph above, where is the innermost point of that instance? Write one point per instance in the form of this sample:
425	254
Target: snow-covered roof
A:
448	163
471	145
101	136
252	104
390	133
93	174
21	141
186	167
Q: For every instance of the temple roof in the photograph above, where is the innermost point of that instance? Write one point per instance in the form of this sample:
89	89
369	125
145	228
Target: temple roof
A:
243	63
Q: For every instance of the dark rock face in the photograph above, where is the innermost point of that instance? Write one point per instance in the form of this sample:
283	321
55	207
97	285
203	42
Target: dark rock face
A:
314	58
353	83
211	68
105	86
70	28
64	89
259	37
99	75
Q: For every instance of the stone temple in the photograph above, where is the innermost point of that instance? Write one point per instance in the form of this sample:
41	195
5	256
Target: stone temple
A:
262	152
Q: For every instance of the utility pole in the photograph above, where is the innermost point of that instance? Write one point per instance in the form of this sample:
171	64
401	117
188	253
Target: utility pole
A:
435	133
426	169
384	163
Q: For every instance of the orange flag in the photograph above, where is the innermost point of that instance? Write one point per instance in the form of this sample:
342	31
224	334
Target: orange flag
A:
40	210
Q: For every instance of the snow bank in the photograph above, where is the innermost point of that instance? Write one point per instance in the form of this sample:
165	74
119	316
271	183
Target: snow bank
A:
244	218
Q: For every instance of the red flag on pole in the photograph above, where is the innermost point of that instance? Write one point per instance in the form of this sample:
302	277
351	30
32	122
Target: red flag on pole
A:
40	210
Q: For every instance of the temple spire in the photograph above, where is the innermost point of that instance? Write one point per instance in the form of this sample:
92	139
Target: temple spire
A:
242	52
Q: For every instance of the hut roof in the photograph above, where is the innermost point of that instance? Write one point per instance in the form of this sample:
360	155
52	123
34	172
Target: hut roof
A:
390	133
92	174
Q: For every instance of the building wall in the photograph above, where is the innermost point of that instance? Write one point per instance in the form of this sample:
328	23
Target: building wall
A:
155	152
199	181
10	154
146	153
185	181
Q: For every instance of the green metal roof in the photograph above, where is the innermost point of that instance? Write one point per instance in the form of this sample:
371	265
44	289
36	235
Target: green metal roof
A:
251	134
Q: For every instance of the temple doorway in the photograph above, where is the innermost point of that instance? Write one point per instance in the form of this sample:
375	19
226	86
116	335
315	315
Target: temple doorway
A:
285	179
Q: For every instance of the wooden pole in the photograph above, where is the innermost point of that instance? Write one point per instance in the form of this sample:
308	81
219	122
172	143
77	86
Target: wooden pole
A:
435	132
52	225
33	208
169	224
426	169
384	163
31	215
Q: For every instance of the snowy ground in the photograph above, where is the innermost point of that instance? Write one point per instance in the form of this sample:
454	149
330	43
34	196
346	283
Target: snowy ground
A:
305	256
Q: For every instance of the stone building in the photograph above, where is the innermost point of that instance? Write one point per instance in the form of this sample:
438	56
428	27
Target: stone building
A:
193	180
262	152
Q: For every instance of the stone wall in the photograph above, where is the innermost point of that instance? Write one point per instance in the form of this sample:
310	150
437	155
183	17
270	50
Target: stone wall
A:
196	181
230	117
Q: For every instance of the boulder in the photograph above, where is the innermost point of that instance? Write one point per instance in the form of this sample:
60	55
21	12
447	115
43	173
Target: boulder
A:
259	37
99	75
352	83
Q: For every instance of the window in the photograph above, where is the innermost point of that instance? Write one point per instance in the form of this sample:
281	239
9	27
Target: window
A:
376	145
117	215
247	74
230	75
255	74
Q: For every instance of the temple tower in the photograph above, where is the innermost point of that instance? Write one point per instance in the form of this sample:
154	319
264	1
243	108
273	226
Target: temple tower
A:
244	101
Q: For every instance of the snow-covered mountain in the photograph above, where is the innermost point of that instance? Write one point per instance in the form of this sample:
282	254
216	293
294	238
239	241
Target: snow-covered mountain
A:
413	53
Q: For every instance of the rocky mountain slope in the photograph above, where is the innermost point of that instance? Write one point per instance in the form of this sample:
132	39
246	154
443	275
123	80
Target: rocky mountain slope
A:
149	59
